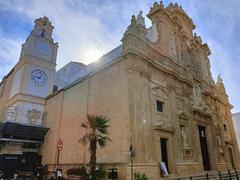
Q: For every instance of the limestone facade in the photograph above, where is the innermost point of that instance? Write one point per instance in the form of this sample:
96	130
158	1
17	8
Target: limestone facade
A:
236	123
160	97
156	87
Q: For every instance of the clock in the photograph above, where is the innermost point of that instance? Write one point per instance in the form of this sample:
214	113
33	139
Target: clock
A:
39	77
43	48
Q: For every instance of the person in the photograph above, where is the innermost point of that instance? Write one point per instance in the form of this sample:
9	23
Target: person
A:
59	174
15	176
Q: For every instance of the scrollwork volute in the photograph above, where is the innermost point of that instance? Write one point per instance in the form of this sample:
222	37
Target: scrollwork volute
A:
183	120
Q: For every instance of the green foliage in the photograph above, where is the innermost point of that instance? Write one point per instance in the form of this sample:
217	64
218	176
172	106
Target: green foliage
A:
80	171
101	173
97	127
140	176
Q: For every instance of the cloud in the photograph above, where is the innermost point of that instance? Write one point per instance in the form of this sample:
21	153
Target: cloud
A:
9	54
218	21
75	30
87	29
80	27
224	64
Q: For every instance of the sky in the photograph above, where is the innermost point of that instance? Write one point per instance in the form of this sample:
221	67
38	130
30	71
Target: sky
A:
86	29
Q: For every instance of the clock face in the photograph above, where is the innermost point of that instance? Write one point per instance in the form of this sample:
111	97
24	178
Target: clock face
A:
39	77
43	48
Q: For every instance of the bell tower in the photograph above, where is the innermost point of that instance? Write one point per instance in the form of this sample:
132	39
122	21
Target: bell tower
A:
40	43
35	70
34	74
23	95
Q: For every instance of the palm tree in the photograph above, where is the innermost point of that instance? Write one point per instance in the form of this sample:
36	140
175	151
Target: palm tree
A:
97	135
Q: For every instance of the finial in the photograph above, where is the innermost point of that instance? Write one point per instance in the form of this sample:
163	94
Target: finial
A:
133	20
171	4
161	4
45	18
176	4
43	28
140	19
155	4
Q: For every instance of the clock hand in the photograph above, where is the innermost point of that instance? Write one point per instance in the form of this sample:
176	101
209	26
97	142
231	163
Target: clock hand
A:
37	77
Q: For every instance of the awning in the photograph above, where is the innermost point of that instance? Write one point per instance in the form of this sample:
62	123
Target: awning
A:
22	131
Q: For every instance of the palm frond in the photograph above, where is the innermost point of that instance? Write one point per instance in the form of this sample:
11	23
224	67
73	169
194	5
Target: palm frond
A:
84	138
102	124
84	125
102	140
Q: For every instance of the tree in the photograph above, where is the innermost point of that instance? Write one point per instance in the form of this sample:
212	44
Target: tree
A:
97	127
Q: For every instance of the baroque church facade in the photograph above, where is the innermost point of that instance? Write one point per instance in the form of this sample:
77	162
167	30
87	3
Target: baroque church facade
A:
156	88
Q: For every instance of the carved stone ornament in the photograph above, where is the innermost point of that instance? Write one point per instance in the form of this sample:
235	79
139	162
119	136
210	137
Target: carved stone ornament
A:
164	124
198	103
33	115
183	119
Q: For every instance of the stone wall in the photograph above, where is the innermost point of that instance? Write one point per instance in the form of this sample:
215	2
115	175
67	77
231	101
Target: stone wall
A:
104	93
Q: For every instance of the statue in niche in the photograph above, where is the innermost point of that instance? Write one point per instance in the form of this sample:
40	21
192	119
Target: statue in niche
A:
184	138
219	144
172	44
197	95
206	71
219	79
185	54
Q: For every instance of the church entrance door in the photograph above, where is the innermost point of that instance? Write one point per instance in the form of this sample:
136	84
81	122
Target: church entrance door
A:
164	152
204	148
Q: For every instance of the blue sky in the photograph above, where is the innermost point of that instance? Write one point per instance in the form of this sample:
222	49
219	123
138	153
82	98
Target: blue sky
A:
87	29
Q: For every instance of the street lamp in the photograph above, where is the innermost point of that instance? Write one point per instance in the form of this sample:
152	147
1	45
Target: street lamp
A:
132	153
59	148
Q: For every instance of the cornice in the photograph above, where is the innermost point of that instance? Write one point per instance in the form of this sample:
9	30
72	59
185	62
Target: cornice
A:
25	98
36	61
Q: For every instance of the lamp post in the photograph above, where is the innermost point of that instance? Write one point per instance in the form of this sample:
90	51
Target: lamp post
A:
59	148
132	153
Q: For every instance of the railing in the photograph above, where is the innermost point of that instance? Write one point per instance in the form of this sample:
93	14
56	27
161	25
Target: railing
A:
226	175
